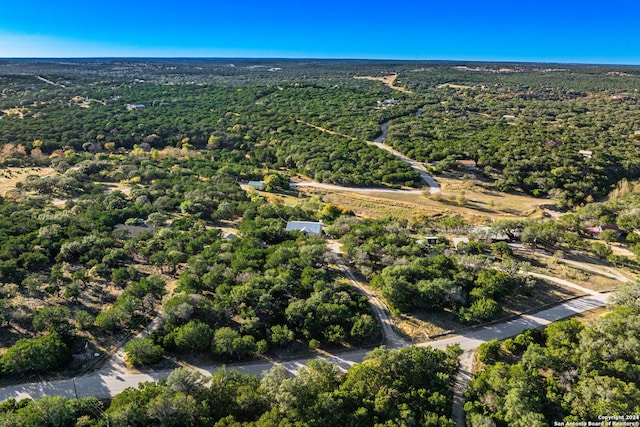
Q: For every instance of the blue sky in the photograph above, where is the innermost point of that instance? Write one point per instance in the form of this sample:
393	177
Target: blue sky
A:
514	30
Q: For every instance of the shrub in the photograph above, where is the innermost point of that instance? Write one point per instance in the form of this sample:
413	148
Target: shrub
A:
223	341
501	249
335	334
522	341
489	351
83	320
111	320
262	346
365	327
142	351
481	310
53	319
281	335
194	336
493	284
511	346
186	380
43	354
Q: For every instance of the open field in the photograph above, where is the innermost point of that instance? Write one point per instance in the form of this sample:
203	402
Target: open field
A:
9	177
124	187
454	86
481	196
15	112
387	80
478	204
584	278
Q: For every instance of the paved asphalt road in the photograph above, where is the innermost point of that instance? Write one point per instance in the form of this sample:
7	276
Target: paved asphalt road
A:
390	337
434	187
106	384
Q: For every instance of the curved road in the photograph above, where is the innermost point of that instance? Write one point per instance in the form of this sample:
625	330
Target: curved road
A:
108	384
434	187
113	377
389	335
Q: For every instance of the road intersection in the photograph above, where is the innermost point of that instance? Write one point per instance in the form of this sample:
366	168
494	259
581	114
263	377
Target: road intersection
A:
105	384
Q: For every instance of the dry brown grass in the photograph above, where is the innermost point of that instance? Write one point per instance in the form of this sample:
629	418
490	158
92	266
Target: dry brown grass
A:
387	80
479	205
123	186
584	278
542	295
9	177
16	112
479	194
419	327
373	205
454	86
587	316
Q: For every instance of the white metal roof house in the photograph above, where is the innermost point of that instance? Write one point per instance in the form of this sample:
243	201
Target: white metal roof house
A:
135	106
586	153
307	227
429	241
258	185
457	241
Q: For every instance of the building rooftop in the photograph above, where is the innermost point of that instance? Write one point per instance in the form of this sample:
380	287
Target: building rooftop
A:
308	227
458	240
258	185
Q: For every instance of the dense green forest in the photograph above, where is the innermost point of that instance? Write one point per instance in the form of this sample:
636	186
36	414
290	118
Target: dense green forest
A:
390	387
571	372
230	298
134	205
526	127
412	275
256	126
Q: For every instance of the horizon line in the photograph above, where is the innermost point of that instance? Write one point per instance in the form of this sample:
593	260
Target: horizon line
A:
292	58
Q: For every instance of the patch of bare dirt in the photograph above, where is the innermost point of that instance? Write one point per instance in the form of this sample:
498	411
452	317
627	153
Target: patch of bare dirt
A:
387	80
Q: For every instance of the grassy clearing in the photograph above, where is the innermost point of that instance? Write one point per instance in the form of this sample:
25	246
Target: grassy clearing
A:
481	196
376	205
454	86
473	203
580	277
226	227
387	80
124	187
16	112
9	177
277	198
543	294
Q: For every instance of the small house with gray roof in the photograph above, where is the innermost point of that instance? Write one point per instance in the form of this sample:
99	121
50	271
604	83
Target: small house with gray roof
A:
307	227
